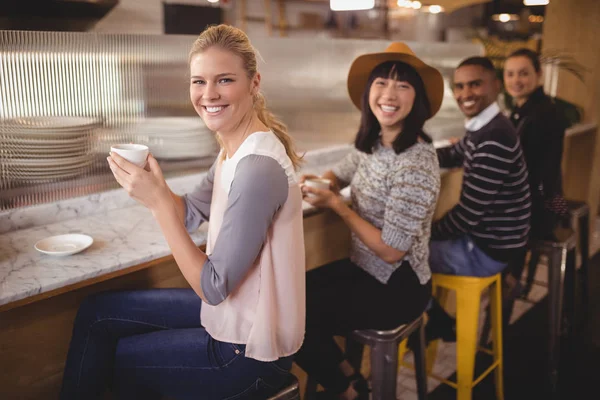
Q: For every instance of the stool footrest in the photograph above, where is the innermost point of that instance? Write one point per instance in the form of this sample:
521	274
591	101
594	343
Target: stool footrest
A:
486	351
486	372
454	384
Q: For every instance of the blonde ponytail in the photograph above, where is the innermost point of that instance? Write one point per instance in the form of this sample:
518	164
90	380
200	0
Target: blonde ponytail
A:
235	40
278	128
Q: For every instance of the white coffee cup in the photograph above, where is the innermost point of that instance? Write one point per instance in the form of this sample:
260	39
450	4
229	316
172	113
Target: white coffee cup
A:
134	153
317	183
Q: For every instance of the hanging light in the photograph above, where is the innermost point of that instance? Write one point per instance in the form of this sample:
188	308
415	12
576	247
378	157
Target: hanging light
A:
415	5
504	18
351	5
435	9
536	2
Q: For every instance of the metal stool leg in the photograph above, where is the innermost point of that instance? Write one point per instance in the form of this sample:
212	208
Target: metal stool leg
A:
557	260
570	288
466	343
496	316
420	369
531	270
384	369
584	249
290	392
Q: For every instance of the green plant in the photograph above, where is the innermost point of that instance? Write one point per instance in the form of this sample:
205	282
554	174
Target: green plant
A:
565	62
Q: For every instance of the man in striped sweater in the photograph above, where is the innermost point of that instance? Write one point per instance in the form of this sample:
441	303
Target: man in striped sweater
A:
490	224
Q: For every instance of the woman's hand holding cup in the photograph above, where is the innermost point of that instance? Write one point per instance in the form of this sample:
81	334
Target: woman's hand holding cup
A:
140	176
317	191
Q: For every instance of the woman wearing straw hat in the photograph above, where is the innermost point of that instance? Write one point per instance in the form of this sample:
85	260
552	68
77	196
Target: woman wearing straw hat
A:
394	178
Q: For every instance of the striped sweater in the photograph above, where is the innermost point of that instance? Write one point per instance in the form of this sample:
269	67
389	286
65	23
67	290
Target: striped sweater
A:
397	194
495	203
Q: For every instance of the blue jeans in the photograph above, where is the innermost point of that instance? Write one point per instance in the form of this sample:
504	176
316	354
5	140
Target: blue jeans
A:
150	344
462	257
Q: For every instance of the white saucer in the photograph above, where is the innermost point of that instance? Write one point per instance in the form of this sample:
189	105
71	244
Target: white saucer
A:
64	245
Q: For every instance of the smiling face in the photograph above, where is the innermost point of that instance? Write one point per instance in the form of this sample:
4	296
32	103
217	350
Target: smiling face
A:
220	89
391	101
520	78
474	88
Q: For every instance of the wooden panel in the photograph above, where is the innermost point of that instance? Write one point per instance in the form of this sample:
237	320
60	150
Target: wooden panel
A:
580	166
571	26
578	157
450	189
326	239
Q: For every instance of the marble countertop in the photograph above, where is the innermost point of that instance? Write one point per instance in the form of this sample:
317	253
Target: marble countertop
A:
125	234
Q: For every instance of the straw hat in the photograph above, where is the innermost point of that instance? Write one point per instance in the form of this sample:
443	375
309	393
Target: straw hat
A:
363	66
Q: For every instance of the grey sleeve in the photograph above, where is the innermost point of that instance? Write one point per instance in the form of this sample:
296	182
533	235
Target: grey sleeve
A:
197	203
259	189
346	168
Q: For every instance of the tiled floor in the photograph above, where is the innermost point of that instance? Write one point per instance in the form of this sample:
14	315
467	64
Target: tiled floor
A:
446	358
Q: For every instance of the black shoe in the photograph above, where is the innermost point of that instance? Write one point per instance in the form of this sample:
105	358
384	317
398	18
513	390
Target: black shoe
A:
445	331
360	385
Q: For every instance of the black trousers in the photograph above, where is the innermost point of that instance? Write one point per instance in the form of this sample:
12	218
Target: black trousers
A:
341	298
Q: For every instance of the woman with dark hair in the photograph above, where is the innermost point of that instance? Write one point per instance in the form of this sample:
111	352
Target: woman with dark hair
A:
541	130
394	178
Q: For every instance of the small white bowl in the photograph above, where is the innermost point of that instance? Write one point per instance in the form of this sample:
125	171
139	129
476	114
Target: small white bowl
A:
64	245
134	153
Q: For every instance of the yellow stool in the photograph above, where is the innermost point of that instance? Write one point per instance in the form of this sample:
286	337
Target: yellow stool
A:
468	298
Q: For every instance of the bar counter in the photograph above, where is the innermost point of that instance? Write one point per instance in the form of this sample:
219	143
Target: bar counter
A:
40	294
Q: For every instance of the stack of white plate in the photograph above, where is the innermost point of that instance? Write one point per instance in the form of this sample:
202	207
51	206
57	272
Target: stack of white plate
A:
45	149
172	138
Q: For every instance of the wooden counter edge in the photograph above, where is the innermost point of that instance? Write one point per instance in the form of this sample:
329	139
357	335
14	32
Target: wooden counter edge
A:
308	214
326	240
86	282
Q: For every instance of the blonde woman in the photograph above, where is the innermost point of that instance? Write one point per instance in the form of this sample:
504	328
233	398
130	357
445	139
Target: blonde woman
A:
233	334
